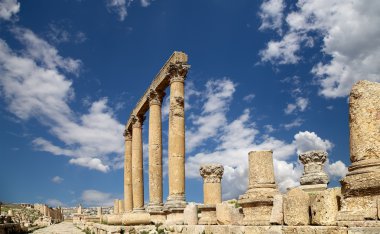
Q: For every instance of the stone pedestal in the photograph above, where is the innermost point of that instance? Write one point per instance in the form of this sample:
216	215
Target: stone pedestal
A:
128	200
176	165
155	206
137	164
361	186
257	202
212	192
314	177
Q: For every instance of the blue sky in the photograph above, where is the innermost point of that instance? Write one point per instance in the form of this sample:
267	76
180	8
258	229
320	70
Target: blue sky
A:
264	75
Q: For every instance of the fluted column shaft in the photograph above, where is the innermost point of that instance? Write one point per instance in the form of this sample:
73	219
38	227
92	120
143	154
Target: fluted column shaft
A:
177	140
128	200
137	164
155	150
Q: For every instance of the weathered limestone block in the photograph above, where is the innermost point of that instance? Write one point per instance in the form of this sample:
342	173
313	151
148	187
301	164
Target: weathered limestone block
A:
114	219
324	208
227	214
135	218
358	209
296	208
190	215
314	178
257	202
277	215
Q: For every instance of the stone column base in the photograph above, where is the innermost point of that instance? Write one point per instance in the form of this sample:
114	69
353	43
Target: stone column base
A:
138	210
363	179
175	201
359	209
256	211
208	215
311	188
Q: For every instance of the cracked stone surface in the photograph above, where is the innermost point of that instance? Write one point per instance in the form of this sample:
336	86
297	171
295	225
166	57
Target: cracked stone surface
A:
60	228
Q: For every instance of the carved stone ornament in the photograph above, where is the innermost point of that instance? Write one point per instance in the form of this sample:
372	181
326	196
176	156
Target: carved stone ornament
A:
155	97
211	173
313	168
137	121
177	72
127	135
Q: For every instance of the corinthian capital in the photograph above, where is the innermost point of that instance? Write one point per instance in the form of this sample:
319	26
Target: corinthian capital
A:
177	72
137	121
316	156
155	97
127	135
211	173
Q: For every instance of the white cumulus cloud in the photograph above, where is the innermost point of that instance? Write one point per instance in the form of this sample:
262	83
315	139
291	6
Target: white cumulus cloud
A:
350	37
8	8
93	197
57	179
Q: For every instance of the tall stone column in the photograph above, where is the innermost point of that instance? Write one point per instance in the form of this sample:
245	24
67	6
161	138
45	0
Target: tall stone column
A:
176	199
155	151
116	206
212	192
361	186
128	199
314	177
137	164
257	202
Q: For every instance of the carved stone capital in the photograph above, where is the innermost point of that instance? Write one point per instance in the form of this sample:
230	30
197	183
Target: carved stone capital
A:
155	97
127	135
137	121
177	72
315	156
211	173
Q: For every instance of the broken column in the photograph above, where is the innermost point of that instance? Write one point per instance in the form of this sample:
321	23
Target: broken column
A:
361	186
128	201
212	192
257	202
155	206
137	164
314	177
176	201
116	206
121	206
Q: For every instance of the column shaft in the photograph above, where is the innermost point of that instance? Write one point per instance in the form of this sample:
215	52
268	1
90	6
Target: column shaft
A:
177	142
155	151
128	200
137	164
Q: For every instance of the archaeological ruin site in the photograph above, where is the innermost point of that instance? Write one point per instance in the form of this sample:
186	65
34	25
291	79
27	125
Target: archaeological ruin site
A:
310	208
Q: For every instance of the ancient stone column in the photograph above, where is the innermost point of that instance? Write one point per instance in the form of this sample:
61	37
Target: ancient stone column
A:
314	177
212	192
99	211
257	202
121	206
176	199
128	199
155	151
116	206
137	164
79	209
361	185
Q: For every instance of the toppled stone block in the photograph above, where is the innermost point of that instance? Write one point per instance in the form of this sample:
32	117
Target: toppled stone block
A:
227	214
190	214
325	206
137	218
296	208
277	215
